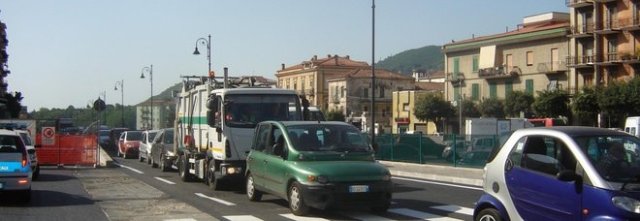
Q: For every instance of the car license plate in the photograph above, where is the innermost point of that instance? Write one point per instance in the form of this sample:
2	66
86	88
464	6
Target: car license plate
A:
358	189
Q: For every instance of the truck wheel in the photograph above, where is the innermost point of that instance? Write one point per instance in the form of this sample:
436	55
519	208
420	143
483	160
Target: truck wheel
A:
252	193
296	202
212	181
163	164
183	169
149	158
153	162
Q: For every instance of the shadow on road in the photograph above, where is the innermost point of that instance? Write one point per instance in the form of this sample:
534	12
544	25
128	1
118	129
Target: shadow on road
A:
43	198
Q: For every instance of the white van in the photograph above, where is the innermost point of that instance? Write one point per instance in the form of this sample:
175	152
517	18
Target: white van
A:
632	125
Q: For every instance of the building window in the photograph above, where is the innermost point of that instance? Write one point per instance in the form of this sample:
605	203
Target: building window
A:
493	90
476	65
381	92
288	81
405	107
508	88
456	67
365	92
529	86
475	92
529	58
342	92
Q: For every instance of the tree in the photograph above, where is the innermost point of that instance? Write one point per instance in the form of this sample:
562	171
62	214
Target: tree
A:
518	102
432	107
491	107
553	103
585	106
469	109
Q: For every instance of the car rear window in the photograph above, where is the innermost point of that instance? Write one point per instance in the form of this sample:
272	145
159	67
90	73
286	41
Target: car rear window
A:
11	144
134	135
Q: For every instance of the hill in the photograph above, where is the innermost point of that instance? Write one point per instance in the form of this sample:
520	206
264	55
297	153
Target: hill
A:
428	58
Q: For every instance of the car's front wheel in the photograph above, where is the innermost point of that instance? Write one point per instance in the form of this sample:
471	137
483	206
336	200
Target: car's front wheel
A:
296	201
488	214
252	193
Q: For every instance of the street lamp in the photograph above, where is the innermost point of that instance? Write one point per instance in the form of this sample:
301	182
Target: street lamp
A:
121	83
205	42
150	70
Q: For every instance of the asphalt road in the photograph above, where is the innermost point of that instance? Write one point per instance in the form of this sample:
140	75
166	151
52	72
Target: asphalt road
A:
413	199
56	195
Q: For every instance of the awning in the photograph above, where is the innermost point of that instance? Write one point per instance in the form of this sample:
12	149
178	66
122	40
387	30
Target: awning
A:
487	57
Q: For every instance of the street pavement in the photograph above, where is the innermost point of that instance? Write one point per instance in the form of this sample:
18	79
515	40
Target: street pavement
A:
125	198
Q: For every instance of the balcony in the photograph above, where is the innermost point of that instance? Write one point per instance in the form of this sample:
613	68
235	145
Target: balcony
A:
499	72
610	59
456	79
629	58
552	68
584	61
630	24
578	3
608	27
582	31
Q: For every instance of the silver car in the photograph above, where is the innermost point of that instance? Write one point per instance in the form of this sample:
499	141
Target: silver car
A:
15	166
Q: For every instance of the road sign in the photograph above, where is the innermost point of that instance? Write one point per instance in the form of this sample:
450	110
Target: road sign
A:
48	135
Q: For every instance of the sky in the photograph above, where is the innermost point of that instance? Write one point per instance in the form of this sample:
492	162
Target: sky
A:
70	52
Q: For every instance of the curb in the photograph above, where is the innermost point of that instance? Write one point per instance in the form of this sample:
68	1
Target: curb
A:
449	174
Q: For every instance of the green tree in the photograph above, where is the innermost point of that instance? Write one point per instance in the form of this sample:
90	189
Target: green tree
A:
551	104
492	107
335	116
432	107
469	109
518	102
585	106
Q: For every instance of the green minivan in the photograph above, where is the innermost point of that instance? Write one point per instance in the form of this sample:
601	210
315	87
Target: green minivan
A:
316	164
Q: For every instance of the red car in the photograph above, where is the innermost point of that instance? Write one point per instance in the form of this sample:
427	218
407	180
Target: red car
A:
129	143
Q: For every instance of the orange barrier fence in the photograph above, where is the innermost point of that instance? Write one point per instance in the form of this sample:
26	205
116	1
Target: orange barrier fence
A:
67	150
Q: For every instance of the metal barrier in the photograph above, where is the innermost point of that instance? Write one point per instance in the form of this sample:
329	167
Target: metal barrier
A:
79	150
454	150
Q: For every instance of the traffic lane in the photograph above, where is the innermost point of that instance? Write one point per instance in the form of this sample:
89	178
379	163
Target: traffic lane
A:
56	195
408	193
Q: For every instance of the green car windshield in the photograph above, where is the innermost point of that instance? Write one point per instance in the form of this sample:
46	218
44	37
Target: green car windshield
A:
323	137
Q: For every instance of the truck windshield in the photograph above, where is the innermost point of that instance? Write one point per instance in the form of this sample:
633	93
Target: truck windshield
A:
246	110
616	158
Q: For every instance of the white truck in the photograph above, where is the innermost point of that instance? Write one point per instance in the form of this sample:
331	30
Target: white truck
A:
215	125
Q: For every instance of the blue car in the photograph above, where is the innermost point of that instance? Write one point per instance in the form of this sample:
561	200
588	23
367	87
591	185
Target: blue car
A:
15	166
562	173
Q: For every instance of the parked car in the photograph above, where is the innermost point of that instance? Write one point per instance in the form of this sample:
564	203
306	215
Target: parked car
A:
316	164
144	151
15	166
562	173
114	136
103	138
33	156
162	150
129	143
474	158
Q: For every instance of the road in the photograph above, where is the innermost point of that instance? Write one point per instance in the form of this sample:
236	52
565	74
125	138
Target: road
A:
56	195
413	199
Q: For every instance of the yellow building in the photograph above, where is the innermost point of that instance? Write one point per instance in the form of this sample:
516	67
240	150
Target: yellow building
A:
403	118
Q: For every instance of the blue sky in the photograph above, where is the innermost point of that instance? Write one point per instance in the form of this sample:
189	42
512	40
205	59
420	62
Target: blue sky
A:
69	52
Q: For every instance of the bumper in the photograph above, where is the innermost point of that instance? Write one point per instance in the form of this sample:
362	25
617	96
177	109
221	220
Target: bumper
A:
338	195
17	182
232	170
131	150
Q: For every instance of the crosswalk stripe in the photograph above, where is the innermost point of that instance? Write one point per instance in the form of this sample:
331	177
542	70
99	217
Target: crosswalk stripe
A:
365	216
455	209
242	218
164	180
421	215
216	199
301	218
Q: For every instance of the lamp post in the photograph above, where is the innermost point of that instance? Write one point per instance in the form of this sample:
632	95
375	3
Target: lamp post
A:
373	73
206	42
150	70
121	84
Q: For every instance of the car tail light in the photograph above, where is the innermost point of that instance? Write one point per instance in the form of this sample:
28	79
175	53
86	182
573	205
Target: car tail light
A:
24	160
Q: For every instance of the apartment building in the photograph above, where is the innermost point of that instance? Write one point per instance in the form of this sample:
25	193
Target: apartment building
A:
604	41
310	78
351	94
529	58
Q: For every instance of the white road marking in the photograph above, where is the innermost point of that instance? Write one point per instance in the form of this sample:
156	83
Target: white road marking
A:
455	209
365	216
301	218
242	218
184	219
164	180
130	168
227	203
438	183
421	215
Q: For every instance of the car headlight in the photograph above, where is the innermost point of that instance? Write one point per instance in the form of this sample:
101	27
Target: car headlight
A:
386	177
626	203
320	179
